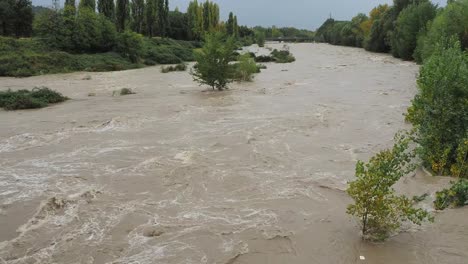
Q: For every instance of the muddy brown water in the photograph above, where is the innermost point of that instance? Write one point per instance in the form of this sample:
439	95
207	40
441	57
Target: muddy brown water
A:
180	174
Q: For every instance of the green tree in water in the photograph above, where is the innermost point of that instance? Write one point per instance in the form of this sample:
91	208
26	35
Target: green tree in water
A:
212	66
377	206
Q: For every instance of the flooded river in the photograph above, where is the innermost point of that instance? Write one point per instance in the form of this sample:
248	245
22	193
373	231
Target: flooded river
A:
180	174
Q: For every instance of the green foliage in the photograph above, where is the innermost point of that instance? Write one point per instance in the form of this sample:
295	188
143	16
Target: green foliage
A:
439	112
456	196
138	15
263	58
26	57
83	32
451	21
245	68
377	206
346	33
126	91
410	24
260	39
212	66
178	67
24	99
130	45
282	56
89	4
16	18
107	9
379	36
122	15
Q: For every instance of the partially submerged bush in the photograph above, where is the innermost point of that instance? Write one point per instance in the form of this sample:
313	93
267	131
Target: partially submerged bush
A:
178	67
282	56
264	58
125	91
245	68
456	196
278	56
130	45
379	209
24	99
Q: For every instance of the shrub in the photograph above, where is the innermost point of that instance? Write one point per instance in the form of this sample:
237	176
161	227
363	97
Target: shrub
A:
439	110
379	209
24	99
130	45
123	91
245	68
263	58
178	67
456	196
282	56
213	67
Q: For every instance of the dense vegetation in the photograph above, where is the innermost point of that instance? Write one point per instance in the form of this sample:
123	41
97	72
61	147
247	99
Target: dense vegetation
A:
409	29
439	112
379	209
456	195
120	35
24	99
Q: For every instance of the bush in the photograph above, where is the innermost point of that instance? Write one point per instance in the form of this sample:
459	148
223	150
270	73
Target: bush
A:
130	45
24	99
212	66
379	209
439	111
263	58
452	21
282	56
178	67
245	68
126	91
456	196
410	24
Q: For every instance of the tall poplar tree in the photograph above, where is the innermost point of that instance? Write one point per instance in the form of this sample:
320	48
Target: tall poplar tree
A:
138	15
122	14
106	8
88	3
151	17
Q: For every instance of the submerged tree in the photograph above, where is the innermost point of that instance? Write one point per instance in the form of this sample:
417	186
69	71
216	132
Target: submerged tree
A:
377	206
212	66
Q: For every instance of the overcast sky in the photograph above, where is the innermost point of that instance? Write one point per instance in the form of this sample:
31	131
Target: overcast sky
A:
308	14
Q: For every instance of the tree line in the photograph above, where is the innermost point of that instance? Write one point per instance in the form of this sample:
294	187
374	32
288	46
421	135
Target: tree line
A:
147	17
409	29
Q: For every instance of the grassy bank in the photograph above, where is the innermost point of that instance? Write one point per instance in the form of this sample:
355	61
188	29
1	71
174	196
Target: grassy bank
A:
30	56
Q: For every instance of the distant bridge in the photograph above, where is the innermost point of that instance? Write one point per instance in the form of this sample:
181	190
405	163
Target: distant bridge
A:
290	39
